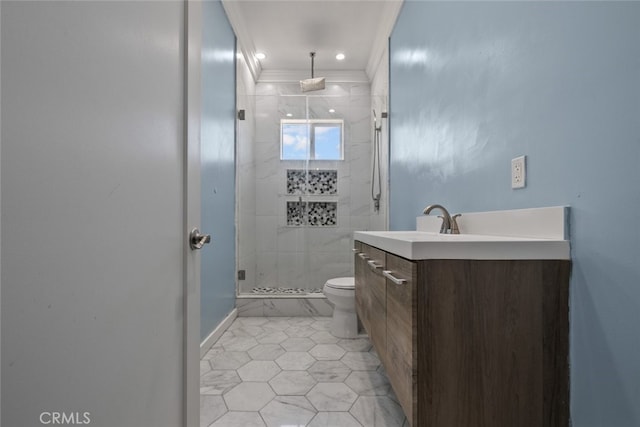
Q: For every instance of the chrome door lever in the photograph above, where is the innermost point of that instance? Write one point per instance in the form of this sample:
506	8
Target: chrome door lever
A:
197	240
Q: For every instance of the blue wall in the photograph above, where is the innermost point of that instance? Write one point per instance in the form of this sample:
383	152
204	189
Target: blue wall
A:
475	84
217	297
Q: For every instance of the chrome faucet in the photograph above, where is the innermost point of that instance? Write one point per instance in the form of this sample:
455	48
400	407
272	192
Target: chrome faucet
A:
449	223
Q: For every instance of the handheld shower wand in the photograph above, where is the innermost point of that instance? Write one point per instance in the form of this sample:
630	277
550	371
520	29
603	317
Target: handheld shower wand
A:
375	168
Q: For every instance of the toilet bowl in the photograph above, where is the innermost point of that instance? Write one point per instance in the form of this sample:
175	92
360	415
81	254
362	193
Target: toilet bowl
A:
341	292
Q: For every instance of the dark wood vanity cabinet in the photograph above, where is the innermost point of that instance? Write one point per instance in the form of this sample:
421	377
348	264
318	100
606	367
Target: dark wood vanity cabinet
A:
470	343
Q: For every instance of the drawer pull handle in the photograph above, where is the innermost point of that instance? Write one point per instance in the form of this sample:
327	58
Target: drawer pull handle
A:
374	264
354	250
389	275
363	255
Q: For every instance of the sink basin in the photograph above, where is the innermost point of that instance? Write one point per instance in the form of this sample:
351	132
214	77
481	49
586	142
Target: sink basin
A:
416	245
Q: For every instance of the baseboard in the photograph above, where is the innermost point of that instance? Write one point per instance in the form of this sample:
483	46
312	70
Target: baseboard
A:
217	332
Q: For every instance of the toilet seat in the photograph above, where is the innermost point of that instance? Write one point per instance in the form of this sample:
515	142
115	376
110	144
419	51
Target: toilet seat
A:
341	283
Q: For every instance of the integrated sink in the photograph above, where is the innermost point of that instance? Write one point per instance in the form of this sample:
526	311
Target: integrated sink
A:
416	245
539	233
424	236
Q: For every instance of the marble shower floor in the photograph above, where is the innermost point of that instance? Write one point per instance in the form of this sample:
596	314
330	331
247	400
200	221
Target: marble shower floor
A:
290	371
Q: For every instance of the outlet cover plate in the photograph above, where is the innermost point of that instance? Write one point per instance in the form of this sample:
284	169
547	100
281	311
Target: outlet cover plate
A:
518	172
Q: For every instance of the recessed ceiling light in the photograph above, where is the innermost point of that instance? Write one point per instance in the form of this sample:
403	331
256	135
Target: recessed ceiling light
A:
340	56
261	55
331	110
289	115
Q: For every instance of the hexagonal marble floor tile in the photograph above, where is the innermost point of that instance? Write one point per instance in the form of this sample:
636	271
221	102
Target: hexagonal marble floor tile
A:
300	331
356	344
322	324
295	361
259	370
297	344
211	408
218	382
334	419
327	352
297	321
324	337
292	377
271	337
205	367
266	352
256	321
292	383
368	383
248	331
329	371
248	396
331	397
377	411
229	360
239	343
288	411
277	323
359	361
240	419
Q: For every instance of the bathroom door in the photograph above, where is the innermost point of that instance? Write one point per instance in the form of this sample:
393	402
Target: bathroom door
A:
93	225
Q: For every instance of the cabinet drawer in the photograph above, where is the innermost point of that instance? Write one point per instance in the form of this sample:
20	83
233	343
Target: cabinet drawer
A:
401	342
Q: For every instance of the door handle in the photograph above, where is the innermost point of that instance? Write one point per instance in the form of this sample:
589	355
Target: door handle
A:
197	240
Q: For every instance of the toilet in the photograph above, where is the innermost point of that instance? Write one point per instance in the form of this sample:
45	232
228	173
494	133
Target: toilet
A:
341	292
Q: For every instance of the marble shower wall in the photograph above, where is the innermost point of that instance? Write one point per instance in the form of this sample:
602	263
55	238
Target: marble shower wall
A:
306	256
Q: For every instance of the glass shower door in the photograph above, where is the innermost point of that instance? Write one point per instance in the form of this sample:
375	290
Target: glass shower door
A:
304	186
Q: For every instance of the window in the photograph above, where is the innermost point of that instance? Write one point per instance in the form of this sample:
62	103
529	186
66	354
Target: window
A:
311	140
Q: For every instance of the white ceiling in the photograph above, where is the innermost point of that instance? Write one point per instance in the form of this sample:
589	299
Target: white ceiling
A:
286	31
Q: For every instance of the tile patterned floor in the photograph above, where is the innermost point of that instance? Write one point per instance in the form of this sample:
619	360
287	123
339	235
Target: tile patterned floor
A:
290	371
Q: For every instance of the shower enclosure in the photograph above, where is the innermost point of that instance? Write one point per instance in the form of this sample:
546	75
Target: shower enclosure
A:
304	185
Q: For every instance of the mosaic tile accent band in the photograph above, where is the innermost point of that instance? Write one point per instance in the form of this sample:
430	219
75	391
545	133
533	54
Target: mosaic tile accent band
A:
313	182
314	214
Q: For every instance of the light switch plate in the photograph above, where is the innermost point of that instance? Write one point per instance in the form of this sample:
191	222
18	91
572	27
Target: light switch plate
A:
518	172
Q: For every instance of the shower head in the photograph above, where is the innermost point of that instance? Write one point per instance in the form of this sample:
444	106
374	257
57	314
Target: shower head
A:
317	83
308	85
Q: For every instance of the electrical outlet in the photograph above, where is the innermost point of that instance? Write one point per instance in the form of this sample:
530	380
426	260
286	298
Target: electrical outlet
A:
518	172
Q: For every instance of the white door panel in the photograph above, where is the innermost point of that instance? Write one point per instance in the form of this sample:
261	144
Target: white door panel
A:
93	217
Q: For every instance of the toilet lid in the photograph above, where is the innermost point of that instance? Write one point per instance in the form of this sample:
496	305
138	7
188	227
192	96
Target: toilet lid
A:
341	283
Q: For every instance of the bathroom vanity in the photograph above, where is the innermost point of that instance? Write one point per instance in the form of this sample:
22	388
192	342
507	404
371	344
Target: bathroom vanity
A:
472	330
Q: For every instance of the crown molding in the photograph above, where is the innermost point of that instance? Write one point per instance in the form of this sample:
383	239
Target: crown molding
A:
244	41
380	44
335	76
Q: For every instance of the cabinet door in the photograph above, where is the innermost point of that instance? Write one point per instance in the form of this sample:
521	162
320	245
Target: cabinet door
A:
362	297
401	339
371	294
376	288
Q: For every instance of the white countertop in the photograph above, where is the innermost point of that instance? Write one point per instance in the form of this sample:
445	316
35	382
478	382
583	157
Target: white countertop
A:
416	245
533	233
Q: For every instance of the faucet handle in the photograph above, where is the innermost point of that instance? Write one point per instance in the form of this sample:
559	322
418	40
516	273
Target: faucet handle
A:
445	224
454	224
